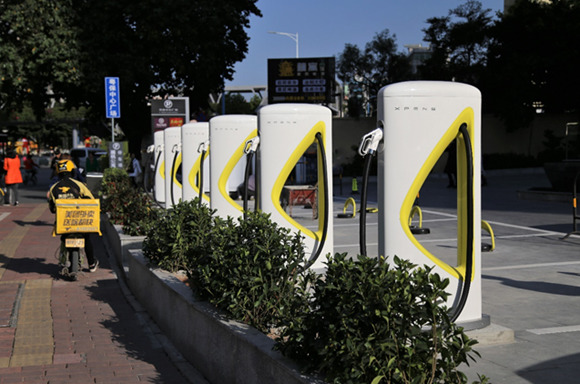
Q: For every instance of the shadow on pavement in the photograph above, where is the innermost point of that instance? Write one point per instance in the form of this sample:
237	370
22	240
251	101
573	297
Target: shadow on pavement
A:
29	265
538	286
568	369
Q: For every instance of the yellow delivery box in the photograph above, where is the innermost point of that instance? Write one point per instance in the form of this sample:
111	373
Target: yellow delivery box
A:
78	216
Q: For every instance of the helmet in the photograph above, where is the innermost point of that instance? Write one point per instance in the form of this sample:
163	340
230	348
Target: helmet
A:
64	166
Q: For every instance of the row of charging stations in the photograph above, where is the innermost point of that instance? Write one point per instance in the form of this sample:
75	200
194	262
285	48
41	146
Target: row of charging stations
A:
221	148
418	120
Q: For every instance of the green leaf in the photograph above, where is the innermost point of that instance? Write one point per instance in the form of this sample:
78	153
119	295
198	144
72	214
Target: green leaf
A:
377	379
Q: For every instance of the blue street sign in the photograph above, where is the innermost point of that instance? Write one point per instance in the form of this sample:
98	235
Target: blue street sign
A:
112	97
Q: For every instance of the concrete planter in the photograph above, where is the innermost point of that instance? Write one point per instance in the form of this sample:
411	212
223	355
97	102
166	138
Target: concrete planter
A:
119	242
222	350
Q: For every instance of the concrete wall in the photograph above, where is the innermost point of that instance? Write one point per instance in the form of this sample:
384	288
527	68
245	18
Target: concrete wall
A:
222	350
119	242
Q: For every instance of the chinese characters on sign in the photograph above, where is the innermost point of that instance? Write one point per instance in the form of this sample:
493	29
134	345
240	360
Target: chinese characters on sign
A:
172	112
78	218
112	97
115	155
307	80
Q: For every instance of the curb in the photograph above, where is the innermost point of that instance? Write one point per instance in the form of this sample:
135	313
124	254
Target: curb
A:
149	326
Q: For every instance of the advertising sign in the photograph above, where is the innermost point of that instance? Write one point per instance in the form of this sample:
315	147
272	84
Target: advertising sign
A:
304	80
171	112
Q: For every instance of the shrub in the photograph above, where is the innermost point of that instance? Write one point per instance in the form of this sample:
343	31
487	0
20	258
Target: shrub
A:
252	270
177	233
126	205
372	322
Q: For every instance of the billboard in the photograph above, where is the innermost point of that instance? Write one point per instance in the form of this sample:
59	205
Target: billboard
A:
171	112
303	80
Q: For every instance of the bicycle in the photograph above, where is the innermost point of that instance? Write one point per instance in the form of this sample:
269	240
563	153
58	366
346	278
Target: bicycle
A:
30	176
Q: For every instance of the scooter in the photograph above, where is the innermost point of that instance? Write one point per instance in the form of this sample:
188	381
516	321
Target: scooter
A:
71	247
74	219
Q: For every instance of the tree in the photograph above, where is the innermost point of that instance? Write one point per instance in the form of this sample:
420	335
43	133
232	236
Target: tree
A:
237	104
459	42
38	51
367	72
533	62
182	47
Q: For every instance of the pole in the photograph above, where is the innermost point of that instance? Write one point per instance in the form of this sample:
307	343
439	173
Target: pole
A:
113	129
296	44
293	36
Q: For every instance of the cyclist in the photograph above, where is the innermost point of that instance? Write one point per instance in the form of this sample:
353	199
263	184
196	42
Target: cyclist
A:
30	170
69	188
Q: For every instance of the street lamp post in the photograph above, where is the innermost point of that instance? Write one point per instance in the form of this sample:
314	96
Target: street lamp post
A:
293	36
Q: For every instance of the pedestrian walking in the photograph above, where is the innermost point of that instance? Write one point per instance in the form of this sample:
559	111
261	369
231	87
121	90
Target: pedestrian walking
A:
13	176
135	172
92	164
30	170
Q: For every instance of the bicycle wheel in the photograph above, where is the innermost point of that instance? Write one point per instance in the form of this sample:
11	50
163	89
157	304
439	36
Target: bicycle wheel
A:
74	263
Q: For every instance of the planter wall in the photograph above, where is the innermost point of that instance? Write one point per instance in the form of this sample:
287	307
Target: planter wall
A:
224	351
120	243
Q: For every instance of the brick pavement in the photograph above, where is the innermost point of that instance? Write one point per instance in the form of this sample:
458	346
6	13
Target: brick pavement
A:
56	331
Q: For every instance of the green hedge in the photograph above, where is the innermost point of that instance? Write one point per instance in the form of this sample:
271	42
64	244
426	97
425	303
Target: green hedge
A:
126	205
371	322
365	321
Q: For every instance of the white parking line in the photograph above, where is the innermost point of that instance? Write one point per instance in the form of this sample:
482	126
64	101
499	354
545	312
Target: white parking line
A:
4	215
537	265
552	330
542	231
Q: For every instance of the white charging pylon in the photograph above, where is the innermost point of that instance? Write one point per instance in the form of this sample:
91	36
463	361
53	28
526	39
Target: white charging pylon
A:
172	153
419	120
159	167
286	132
228	136
194	146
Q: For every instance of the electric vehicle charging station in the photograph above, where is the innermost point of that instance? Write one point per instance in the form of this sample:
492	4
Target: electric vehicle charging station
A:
159	167
286	131
419	120
172	154
228	137
195	153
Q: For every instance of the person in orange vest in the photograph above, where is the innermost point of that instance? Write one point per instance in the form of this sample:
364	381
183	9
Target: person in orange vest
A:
13	176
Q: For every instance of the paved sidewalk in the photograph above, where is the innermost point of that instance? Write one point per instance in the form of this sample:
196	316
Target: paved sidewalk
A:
56	331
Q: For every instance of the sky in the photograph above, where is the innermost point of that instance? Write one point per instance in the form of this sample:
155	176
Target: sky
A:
325	26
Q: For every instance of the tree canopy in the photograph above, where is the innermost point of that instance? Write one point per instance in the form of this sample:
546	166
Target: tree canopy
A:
459	43
524	61
533	61
368	71
181	47
37	54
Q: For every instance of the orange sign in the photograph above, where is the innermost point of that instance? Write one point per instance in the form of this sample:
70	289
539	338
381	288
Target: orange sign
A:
175	121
